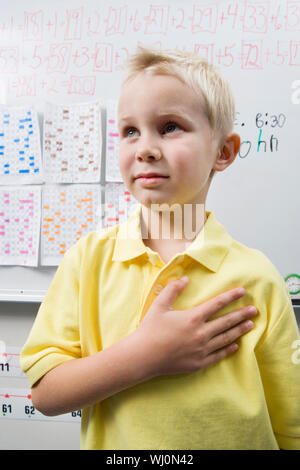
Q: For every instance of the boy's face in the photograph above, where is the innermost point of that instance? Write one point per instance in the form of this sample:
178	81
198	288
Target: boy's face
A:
164	130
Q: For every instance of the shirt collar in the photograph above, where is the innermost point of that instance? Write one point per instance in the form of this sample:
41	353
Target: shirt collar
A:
209	247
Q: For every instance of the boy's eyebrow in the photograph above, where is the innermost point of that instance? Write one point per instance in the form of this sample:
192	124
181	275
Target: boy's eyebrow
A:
177	114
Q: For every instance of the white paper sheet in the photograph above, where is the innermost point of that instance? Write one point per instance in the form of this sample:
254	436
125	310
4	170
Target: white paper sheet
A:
68	213
112	143
119	204
20	217
72	143
20	146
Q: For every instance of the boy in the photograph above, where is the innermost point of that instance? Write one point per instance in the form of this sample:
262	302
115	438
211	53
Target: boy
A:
123	333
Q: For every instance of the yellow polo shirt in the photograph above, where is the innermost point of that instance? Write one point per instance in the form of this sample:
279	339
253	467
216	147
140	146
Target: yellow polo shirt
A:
100	293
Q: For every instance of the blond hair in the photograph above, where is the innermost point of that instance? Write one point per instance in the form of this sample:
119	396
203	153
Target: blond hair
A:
203	77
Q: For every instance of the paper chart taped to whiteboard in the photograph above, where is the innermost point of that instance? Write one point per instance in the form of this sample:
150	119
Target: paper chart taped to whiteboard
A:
20	146
119	204
112	143
20	214
68	213
72	143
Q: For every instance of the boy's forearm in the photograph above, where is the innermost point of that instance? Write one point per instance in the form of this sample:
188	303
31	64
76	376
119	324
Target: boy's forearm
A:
79	383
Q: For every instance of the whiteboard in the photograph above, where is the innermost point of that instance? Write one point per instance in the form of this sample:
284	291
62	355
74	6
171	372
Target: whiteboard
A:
67	51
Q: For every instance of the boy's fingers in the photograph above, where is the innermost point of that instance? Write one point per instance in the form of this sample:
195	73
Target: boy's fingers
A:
212	306
219	354
168	295
228	321
228	337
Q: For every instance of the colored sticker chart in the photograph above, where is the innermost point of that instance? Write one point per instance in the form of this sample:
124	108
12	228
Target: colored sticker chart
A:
10	362
15	403
119	204
68	213
20	216
112	169
72	143
20	146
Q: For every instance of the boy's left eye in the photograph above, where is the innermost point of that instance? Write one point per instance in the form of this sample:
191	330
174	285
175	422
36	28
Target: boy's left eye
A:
171	127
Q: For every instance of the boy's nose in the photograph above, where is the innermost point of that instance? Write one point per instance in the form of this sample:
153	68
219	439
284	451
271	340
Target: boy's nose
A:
147	150
145	154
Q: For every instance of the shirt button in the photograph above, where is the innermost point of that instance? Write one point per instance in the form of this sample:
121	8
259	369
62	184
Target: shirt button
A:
158	288
152	260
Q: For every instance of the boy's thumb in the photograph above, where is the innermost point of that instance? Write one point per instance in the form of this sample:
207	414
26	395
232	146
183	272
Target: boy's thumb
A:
168	295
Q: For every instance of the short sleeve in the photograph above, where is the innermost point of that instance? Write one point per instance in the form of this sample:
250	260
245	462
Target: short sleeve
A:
280	373
54	337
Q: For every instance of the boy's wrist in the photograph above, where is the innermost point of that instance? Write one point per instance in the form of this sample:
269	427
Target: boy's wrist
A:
142	356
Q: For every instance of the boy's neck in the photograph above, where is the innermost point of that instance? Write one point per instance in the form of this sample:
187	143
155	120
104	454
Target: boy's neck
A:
176	225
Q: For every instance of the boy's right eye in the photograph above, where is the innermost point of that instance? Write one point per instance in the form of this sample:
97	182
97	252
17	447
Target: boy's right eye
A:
130	132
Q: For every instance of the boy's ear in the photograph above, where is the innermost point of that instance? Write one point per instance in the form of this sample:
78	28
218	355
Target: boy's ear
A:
227	151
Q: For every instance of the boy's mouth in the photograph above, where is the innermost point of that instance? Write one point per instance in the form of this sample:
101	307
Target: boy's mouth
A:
151	175
151	180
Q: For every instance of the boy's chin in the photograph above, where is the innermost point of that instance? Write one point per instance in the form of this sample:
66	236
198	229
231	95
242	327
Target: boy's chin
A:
160	206
155	201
